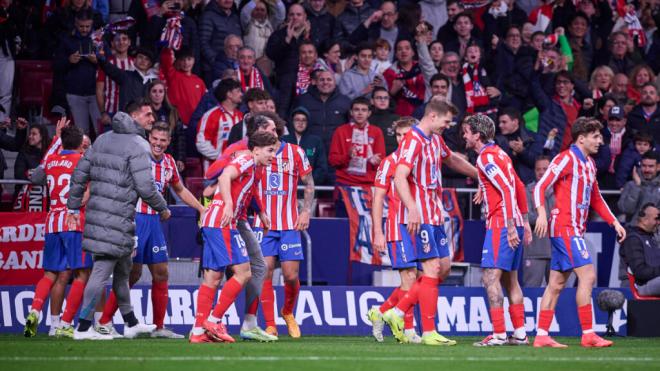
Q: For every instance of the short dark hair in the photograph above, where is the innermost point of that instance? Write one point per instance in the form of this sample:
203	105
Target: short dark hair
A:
650	155
440	76
72	137
379	88
566	75
137	104
542	158
308	42
146	52
161	126
649	84
457	2
440	107
463	14
256	94
84	15
643	136
364	46
583	126
512	112
261	139
361	100
646	206
224	87
184	52
256	120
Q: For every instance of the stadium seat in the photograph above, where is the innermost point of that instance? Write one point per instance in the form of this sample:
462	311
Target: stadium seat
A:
195	185
194	167
634	291
30	74
46	91
326	208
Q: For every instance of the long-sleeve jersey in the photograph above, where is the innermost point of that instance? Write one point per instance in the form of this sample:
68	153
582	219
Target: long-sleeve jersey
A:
503	191
573	178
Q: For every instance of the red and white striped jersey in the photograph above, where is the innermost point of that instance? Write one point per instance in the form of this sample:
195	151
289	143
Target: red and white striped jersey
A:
58	169
164	173
213	131
502	190
241	192
110	87
423	155
573	178
277	186
385	180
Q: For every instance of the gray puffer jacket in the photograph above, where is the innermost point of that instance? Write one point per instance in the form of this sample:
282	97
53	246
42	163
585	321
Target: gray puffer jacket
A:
118	170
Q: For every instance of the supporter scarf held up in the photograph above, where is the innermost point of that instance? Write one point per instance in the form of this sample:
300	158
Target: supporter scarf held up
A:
475	93
303	79
414	96
255	80
361	148
171	35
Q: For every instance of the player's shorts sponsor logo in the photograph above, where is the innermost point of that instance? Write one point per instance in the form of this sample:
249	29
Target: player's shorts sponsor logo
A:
443	241
285	247
157	249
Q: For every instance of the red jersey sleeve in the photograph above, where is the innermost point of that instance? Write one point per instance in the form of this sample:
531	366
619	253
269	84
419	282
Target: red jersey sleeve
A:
558	165
302	162
410	150
383	173
521	195
176	178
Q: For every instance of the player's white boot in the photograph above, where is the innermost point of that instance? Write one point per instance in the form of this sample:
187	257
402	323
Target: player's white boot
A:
90	334
140	328
491	341
412	336
108	329
166	334
377	323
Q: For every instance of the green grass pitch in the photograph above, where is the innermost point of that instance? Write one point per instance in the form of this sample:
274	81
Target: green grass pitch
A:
316	353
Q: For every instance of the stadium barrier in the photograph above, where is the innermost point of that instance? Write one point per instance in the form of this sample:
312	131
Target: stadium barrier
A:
336	310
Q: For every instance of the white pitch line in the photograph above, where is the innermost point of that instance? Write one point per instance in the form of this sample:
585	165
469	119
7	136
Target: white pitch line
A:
323	359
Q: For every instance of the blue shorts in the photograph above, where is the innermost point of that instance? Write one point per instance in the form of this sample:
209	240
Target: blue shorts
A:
568	253
430	242
286	245
400	256
222	248
63	250
498	254
151	244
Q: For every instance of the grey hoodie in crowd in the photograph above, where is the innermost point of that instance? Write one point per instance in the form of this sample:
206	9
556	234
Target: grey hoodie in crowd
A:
633	197
354	82
118	170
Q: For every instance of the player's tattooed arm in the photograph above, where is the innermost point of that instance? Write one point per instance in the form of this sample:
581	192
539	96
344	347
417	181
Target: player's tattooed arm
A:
308	200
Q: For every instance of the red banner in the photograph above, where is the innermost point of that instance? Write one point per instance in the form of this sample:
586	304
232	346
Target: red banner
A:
21	248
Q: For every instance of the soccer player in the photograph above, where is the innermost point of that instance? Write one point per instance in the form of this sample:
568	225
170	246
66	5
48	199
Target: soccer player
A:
417	180
572	174
223	245
384	187
277	187
151	244
506	219
63	246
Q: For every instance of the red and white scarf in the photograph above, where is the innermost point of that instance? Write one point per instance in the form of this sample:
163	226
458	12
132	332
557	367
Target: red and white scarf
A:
615	147
303	79
171	35
255	79
475	93
361	150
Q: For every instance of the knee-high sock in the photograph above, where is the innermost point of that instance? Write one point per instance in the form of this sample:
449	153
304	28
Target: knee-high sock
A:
109	309
585	314
497	318
409	317
291	290
517	313
228	295
428	302
205	297
545	319
252	307
73	300
410	298
41	293
159	299
391	301
268	303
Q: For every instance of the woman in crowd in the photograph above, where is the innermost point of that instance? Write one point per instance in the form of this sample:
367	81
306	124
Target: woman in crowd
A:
29	158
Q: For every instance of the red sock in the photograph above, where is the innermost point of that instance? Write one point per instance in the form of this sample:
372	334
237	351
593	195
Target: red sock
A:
497	318
159	299
410	298
41	293
252	307
545	319
109	309
205	297
585	314
391	301
73	300
228	295
409	317
291	291
428	302
268	303
517	313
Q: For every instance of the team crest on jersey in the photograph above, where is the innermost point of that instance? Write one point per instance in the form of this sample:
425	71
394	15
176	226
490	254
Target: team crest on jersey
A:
274	180
285	166
167	173
427	248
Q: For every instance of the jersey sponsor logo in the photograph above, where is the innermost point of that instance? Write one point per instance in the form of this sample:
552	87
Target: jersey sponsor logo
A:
274	180
490	169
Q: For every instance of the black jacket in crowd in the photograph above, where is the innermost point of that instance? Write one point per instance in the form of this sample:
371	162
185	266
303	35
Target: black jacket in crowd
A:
641	253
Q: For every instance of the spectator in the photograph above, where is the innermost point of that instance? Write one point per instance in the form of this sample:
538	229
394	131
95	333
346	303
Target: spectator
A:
435	13
382	24
640	76
357	148
215	125
326	105
600	82
631	157
248	74
184	88
259	19
641	251
604	106
324	26
480	94
356	12
511	58
256	100
384	117
500	17
450	68
8	35
297	82
219	20
446	32
616	138
31	197
646	115
76	59
581	46
621	60
165	112
620	88
440	88
382	60
463	26
107	90
228	60
133	82
642	189
523	146
331	58
9	143
312	144
537	254
360	80
405	80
